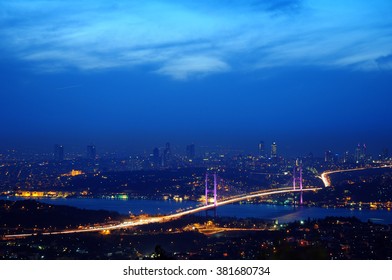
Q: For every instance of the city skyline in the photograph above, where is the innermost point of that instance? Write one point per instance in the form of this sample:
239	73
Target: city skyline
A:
164	151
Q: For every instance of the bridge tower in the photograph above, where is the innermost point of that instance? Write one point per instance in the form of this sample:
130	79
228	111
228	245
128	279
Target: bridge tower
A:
297	179
211	191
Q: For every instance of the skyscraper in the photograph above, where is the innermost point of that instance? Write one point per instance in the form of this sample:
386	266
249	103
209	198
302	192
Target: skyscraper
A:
364	152
167	152
155	153
357	155
166	156
190	151
328	156
155	157
360	153
261	149
346	157
385	154
274	150
59	152
91	152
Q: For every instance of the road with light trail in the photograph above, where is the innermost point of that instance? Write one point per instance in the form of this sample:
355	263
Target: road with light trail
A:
162	219
169	217
327	181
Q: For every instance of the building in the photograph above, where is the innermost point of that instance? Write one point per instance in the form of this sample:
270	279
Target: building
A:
363	152
91	152
261	149
346	157
155	157
328	156
155	153
357	154
385	154
166	155
274	150
360	153
167	151
59	152
190	151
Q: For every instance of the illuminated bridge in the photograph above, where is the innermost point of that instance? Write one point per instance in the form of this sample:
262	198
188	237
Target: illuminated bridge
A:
297	188
169	217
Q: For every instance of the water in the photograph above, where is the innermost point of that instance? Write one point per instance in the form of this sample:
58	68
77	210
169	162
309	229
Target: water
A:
131	206
289	213
262	211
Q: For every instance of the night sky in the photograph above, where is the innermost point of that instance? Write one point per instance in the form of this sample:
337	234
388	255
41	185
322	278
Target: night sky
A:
132	75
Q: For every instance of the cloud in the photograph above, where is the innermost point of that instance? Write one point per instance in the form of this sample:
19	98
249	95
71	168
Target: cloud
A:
280	6
182	39
184	67
385	62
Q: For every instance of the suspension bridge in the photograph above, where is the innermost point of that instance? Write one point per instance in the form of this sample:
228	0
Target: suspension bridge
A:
208	205
210	194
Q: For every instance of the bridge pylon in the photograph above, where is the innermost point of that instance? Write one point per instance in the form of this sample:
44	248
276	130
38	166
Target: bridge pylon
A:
214	191
297	179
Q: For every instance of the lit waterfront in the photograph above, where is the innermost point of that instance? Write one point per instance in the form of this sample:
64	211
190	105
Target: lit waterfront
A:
282	213
166	218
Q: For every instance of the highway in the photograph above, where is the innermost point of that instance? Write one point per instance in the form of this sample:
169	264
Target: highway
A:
169	217
327	181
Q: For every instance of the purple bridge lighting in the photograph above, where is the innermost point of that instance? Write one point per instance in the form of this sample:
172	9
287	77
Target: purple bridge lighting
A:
297	179
211	191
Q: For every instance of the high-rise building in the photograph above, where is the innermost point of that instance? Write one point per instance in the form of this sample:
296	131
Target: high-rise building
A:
261	149
156	159
166	155
167	151
363	152
59	152
328	156
360	153
385	154
190	151
357	154
91	152
274	150
155	153
346	157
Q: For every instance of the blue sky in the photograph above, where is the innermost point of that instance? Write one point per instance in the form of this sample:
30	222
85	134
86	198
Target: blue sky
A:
312	75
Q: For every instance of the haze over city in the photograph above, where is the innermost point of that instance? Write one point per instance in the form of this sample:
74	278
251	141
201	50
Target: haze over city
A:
311	75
